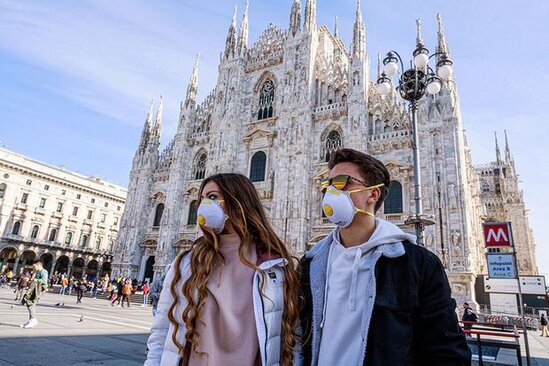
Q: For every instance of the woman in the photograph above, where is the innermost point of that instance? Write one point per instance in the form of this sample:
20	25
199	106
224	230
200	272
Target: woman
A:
232	299
145	290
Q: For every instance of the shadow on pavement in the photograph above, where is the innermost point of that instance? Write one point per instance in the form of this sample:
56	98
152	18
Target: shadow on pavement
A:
75	350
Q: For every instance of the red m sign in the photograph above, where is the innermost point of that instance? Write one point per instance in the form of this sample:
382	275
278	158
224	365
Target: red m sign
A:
498	234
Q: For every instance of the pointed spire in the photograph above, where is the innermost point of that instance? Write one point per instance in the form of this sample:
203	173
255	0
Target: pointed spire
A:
336	28
310	16
243	32
145	135
295	18
419	37
192	88
379	69
359	34
508	156
230	43
498	154
157	127
442	45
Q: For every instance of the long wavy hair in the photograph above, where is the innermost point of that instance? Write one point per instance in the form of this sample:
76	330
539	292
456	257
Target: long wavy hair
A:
247	216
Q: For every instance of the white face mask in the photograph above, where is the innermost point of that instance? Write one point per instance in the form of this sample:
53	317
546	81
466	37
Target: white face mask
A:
339	207
211	215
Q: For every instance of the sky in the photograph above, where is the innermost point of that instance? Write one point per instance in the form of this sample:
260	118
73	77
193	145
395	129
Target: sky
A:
77	77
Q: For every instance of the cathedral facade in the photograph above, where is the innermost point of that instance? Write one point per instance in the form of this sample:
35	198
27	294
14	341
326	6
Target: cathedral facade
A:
281	107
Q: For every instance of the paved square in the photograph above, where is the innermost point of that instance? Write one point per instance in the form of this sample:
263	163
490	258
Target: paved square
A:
105	336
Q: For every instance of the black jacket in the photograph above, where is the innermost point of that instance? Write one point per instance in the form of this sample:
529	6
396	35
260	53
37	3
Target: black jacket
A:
414	320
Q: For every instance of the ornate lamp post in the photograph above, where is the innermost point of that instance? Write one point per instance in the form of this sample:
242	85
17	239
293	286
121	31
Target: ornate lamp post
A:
412	85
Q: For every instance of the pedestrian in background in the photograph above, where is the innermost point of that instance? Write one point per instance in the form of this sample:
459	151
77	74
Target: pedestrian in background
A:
126	292
21	285
72	283
64	283
37	285
145	288
156	289
543	322
80	288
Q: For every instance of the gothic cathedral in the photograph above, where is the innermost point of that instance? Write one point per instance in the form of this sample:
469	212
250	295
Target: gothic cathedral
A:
280	108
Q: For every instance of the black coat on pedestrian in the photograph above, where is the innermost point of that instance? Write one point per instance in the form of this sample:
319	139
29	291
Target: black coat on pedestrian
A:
414	319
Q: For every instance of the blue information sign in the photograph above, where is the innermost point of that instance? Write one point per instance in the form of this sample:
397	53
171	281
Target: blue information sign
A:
501	265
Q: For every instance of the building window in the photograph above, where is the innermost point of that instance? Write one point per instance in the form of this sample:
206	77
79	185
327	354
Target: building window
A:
63	192
68	238
59	207
53	235
84	241
158	214
16	228
115	223
90	214
200	166
103	218
266	99
118	208
24	198
75	211
257	167
393	202
331	145
98	242
193	208
46	187
2	190
111	245
42	202
106	204
29	182
93	200
78	196
34	233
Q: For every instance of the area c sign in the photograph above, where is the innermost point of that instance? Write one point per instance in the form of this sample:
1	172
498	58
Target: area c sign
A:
497	234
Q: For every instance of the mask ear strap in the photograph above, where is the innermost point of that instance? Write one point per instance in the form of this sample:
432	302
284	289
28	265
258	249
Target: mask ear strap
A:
366	188
365	212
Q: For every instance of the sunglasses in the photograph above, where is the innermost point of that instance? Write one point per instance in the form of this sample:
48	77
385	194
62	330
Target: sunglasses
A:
339	182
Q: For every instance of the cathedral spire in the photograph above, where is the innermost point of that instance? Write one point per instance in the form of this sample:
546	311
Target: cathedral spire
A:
243	32
379	69
145	135
230	43
310	16
157	127
359	34
442	45
498	154
508	156
295	18
336	28
192	88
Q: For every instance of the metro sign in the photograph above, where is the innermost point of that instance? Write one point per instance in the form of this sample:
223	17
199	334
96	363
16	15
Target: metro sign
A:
498	234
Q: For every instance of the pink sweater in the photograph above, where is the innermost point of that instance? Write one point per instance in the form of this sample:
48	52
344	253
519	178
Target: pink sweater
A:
227	331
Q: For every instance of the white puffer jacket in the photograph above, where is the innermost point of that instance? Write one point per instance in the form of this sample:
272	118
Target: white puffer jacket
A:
268	307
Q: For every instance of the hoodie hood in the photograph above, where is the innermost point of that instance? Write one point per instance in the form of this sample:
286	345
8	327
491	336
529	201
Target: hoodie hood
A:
385	233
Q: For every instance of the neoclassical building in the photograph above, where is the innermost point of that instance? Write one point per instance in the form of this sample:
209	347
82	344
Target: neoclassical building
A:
281	107
67	220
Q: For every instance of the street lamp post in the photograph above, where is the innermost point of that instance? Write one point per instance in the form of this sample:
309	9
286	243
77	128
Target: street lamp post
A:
412	85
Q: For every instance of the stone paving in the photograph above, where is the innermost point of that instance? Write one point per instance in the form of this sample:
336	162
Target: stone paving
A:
94	333
91	333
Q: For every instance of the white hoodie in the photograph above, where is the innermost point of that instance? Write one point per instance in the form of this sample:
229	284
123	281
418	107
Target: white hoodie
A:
350	290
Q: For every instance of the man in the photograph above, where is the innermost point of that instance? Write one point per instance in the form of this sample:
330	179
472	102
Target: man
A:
371	296
38	284
468	316
64	284
21	285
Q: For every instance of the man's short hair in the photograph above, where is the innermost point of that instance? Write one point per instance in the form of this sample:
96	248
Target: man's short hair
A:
37	261
372	170
466	303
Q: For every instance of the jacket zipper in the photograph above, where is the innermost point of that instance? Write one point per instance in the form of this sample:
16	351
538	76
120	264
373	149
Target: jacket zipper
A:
264	320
